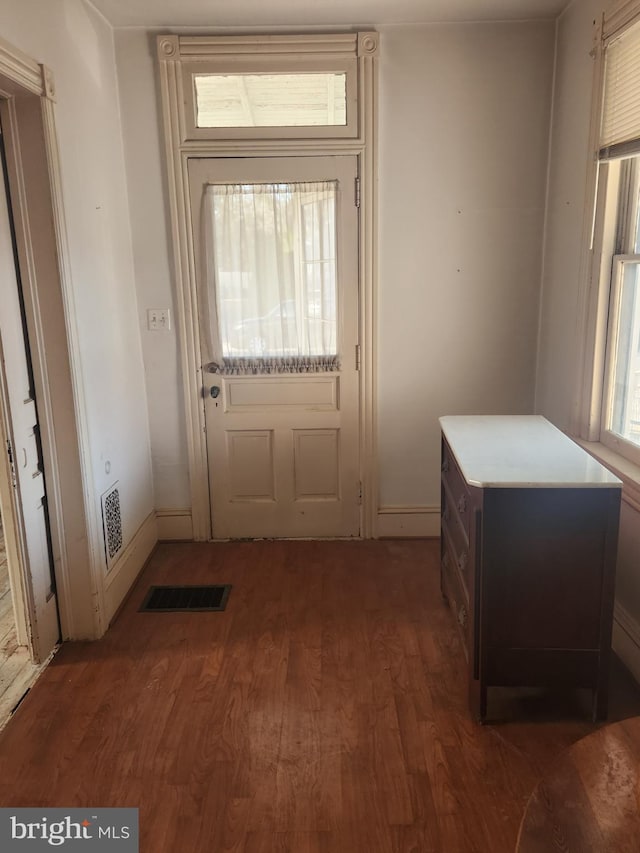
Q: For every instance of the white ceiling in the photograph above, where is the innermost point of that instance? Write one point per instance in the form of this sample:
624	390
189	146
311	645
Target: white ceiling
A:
309	13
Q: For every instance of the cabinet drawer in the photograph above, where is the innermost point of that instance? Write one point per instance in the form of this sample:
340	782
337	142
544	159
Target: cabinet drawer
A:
456	488
457	545
457	600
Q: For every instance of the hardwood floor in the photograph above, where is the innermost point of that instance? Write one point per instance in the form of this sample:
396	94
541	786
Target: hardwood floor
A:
588	799
323	712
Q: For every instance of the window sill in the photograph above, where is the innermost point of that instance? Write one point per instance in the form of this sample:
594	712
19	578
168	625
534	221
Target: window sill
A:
627	471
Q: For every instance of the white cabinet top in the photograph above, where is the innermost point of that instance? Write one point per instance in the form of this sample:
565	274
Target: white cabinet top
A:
511	451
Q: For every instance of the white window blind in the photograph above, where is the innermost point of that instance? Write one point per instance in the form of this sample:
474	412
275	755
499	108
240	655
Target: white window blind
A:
620	129
618	15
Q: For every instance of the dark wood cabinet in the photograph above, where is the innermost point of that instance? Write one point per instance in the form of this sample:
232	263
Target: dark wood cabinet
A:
529	531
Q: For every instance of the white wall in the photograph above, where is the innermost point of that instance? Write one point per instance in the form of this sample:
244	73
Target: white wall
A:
464	118
135	51
464	122
556	385
77	44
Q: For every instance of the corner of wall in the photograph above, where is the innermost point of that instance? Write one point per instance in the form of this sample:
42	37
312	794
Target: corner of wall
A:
174	525
545	225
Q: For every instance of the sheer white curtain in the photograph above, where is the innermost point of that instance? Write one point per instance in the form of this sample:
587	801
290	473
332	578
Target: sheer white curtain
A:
271	275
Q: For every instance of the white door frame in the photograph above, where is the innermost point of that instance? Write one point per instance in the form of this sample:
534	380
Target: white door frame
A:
173	53
27	111
11	526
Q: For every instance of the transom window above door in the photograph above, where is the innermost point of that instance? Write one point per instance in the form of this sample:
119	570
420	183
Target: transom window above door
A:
271	100
268	87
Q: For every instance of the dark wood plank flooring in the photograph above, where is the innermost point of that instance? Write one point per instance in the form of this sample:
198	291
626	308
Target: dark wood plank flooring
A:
323	712
588	799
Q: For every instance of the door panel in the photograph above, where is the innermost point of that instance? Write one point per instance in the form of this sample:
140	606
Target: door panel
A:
21	421
317	392
251	465
283	447
316	462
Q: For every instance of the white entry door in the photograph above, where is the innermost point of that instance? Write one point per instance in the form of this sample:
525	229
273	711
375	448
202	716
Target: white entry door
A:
276	249
18	409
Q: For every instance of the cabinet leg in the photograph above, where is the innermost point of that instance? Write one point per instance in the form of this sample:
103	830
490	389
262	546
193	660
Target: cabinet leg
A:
478	701
443	590
482	715
600	703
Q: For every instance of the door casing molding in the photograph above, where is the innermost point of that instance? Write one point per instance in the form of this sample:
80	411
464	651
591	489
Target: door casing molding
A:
27	93
172	51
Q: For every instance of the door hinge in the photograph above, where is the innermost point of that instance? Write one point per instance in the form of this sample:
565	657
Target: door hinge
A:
357	194
360	493
358	357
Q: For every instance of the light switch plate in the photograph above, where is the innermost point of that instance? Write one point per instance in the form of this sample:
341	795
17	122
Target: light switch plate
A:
158	319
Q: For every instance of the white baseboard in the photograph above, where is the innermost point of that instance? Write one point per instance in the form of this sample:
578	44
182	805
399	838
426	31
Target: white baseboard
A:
129	565
174	525
626	639
401	522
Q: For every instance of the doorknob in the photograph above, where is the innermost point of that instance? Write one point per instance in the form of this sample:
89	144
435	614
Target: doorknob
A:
214	391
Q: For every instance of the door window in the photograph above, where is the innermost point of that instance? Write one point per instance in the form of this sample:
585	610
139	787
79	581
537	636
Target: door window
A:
272	275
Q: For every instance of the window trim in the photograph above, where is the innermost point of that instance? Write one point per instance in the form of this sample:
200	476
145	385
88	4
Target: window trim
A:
342	52
284	64
608	437
601	242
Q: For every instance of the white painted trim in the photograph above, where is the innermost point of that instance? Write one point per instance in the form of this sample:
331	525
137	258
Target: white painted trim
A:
626	639
35	180
402	522
170	52
174	525
22	72
588	366
186	302
11	514
264	62
368	105
203	47
129	565
93	522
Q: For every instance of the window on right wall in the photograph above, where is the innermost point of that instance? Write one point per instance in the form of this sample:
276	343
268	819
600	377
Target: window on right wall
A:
621	398
616	245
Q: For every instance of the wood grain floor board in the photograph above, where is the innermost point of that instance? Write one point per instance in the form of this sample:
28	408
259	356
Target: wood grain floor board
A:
588	797
324	711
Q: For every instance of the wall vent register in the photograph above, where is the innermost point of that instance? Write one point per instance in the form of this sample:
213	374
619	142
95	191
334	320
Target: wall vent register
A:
167	599
112	524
